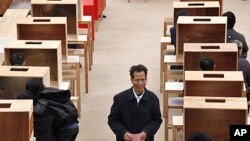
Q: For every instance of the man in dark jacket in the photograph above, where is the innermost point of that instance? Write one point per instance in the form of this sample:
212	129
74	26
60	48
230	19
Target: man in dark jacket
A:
232	34
135	110
55	115
66	123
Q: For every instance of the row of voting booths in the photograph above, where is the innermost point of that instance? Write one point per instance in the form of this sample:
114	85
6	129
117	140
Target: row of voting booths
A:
42	35
210	101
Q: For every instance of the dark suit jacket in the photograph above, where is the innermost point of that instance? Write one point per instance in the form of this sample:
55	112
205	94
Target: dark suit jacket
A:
128	115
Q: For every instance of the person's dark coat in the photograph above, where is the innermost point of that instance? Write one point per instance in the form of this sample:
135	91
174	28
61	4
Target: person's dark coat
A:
57	103
127	115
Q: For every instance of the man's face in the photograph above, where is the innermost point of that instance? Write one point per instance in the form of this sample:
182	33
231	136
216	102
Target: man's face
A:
139	81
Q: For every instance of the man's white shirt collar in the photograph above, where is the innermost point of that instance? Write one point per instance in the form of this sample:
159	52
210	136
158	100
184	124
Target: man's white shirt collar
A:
138	98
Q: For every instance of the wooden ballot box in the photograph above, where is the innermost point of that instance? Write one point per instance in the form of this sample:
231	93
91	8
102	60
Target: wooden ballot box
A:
38	53
199	29
201	8
224	55
213	115
44	28
198	1
14	78
214	83
16	120
56	8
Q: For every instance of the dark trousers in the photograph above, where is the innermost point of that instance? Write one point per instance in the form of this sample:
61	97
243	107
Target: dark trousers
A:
67	134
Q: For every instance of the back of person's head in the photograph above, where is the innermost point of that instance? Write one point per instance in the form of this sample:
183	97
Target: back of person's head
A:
182	13
138	68
35	86
198	136
239	45
17	59
207	64
231	19
6	94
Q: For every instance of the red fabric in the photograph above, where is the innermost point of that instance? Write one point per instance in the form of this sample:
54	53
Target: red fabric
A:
88	7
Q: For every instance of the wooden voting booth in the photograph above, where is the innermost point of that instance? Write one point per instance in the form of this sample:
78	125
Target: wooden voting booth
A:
214	83
20	75
198	29
38	53
198	1
56	8
44	28
201	8
224	55
213	115
16	120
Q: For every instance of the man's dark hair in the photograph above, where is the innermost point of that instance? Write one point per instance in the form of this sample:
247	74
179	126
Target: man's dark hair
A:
138	68
182	13
198	136
17	59
207	64
35	86
231	19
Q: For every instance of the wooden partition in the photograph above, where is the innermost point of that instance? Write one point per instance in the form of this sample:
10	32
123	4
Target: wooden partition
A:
214	83
56	8
224	55
202	8
38	53
44	28
14	78
213	115
16	120
199	29
198	1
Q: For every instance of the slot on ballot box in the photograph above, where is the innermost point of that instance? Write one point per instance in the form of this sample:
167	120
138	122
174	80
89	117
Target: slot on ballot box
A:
214	83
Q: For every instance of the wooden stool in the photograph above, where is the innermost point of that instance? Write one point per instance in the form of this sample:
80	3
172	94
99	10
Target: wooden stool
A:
168	22
81	40
177	125
165	41
90	39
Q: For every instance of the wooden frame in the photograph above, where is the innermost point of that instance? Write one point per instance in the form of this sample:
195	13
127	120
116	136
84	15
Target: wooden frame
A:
16	118
14	78
213	115
220	1
198	29
62	8
44	28
38	53
224	55
199	8
214	83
